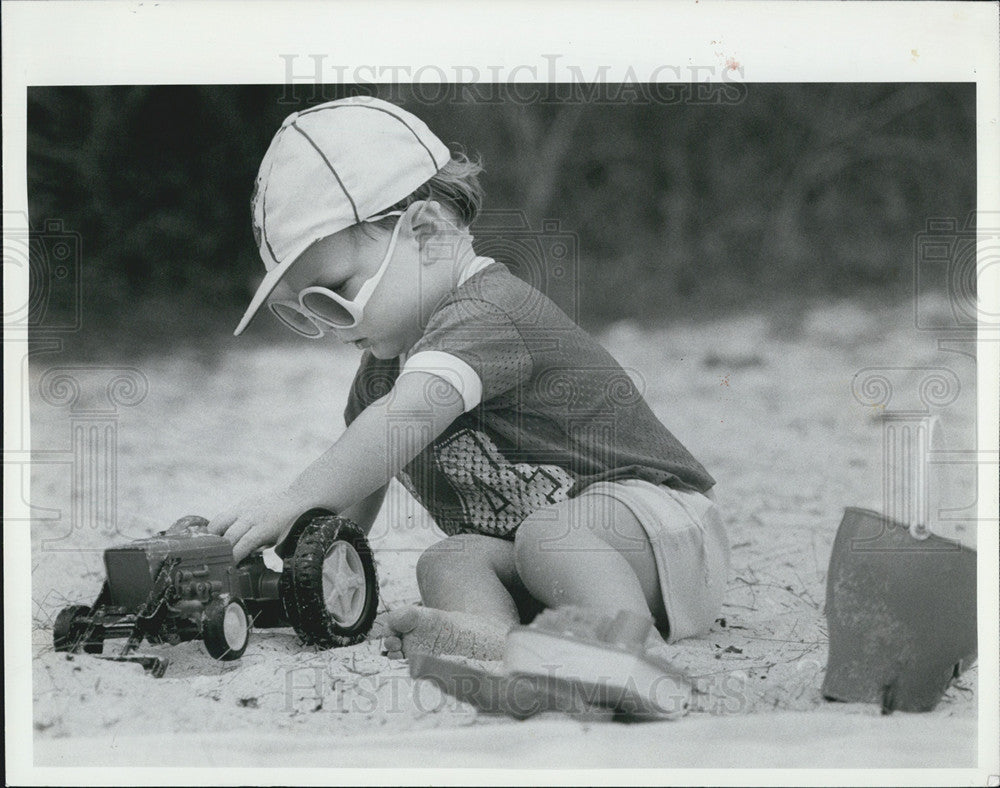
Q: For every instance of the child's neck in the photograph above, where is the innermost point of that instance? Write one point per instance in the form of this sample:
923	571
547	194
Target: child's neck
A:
472	266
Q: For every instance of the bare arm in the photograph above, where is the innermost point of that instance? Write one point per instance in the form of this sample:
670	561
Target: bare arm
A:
363	513
378	443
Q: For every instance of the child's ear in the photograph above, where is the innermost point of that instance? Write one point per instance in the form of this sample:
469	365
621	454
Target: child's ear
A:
435	233
428	220
425	212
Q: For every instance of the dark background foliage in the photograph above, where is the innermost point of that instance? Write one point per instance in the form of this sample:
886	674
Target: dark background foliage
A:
761	194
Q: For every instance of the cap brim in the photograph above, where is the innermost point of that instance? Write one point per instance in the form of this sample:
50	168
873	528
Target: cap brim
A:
271	280
273	277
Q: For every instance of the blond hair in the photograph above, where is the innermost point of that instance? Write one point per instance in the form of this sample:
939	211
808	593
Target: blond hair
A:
456	186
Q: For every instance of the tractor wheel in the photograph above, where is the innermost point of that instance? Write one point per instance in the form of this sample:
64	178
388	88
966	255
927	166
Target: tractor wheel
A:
333	585
226	629
286	595
68	629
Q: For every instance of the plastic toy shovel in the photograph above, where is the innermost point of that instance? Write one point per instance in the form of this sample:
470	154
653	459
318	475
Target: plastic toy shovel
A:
569	660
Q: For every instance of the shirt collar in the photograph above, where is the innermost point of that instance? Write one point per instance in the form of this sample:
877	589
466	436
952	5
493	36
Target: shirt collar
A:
474	266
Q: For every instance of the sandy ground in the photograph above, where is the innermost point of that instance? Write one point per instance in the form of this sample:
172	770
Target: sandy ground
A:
764	402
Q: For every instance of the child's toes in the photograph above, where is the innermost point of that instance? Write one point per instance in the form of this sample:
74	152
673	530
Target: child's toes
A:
392	643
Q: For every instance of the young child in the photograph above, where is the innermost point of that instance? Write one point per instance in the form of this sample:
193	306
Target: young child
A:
524	439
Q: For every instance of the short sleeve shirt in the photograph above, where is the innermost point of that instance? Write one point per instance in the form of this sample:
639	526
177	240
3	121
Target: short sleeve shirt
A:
548	410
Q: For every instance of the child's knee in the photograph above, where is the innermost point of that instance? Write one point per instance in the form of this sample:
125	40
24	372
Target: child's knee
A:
445	558
432	565
532	538
549	533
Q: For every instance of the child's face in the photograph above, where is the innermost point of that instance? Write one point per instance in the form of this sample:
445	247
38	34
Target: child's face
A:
402	301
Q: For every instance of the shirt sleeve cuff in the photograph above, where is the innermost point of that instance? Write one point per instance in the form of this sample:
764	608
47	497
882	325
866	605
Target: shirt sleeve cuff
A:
451	369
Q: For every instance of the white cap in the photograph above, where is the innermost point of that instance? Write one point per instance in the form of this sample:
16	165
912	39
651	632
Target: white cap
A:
331	166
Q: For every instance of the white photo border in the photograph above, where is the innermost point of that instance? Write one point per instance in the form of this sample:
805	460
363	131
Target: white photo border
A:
219	42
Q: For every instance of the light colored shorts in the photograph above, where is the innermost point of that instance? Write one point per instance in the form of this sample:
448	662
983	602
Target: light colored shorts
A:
690	546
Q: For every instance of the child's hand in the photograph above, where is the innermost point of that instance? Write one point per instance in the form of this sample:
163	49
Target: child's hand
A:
361	462
257	520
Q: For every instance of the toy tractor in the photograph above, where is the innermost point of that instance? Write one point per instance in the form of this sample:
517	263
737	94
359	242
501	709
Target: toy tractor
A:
183	584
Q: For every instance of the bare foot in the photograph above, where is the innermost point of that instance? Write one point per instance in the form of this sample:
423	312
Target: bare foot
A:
412	630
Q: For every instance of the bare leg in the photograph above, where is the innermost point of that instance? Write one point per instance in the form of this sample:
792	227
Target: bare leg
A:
472	596
471	573
589	552
593	553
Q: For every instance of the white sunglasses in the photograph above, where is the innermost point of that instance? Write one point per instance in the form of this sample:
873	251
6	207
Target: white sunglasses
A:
319	308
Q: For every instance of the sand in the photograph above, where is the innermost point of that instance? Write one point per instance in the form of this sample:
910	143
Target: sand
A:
764	402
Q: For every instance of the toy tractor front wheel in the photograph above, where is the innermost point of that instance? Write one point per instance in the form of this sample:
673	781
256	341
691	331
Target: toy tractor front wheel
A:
329	586
226	629
70	630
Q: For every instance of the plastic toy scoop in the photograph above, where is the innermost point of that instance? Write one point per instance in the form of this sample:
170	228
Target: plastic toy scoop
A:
572	660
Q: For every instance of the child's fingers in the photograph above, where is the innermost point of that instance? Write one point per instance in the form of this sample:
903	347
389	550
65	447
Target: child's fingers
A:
392	643
221	522
245	544
237	530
